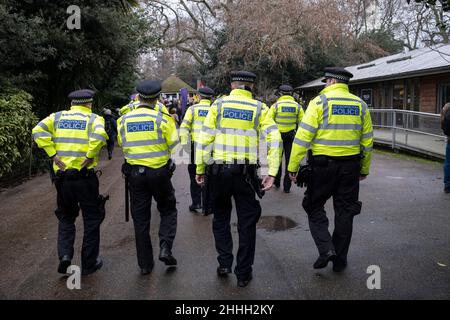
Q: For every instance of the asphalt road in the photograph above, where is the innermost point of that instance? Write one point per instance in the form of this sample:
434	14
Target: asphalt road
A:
403	228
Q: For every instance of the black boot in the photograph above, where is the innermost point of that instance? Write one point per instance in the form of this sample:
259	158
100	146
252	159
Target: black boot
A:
64	263
166	256
323	259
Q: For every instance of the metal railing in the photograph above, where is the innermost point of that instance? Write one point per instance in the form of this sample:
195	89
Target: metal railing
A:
403	129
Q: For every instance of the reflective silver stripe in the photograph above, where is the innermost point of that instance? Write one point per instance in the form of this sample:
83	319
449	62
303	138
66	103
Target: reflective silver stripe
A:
42	134
97	136
99	126
286	117
147	154
344	99
258	112
324	100
140	143
239	132
91	122
187	122
302	143
79	114
271	129
57	117
209	130
197	130
286	123
173	145
274	144
71	153
327	142
363	111
219	113
367	149
367	135
307	127
141	115
122	132
198	122
71	140
158	125
343	126
246	149
241	102
43	126
193	111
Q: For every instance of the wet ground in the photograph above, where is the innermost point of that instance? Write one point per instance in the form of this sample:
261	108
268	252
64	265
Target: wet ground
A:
403	228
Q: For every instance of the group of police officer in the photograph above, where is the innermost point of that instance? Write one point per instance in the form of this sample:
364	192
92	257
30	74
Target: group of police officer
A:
223	141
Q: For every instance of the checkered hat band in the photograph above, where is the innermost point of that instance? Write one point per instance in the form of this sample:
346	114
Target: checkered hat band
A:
244	79
336	76
150	96
87	100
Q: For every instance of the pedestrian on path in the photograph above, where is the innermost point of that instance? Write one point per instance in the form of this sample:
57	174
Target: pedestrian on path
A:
445	125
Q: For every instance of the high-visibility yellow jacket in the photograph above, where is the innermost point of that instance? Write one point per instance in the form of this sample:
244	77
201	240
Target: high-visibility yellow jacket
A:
193	121
134	103
336	123
286	113
147	137
232	129
73	135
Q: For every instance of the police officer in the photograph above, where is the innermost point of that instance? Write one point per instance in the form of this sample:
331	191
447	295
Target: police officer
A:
134	102
231	130
73	139
148	137
287	114
191	128
338	129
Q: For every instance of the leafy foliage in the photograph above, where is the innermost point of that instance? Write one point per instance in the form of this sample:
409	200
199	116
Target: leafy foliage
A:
39	54
16	121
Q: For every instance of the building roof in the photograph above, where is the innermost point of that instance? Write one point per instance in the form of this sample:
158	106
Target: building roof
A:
173	84
429	60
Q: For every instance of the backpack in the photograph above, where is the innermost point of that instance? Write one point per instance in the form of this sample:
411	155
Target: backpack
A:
446	126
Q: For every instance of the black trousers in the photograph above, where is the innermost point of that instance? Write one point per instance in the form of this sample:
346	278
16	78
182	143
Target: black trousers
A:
146	183
224	186
71	196
196	190
288	139
110	144
340	180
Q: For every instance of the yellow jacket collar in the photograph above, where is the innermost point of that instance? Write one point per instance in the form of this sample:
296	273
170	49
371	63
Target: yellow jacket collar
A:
205	101
80	108
286	98
336	86
241	92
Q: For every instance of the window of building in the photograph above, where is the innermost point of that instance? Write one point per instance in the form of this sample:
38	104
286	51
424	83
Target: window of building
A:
398	96
443	96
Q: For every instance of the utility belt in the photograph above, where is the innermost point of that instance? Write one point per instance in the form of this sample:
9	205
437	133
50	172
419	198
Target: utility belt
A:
74	174
238	169
247	170
324	160
128	169
305	171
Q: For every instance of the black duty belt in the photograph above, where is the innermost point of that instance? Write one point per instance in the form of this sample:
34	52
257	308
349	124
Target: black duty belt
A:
333	158
231	168
75	174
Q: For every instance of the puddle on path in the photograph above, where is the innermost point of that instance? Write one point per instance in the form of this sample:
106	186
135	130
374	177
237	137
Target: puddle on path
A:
276	223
